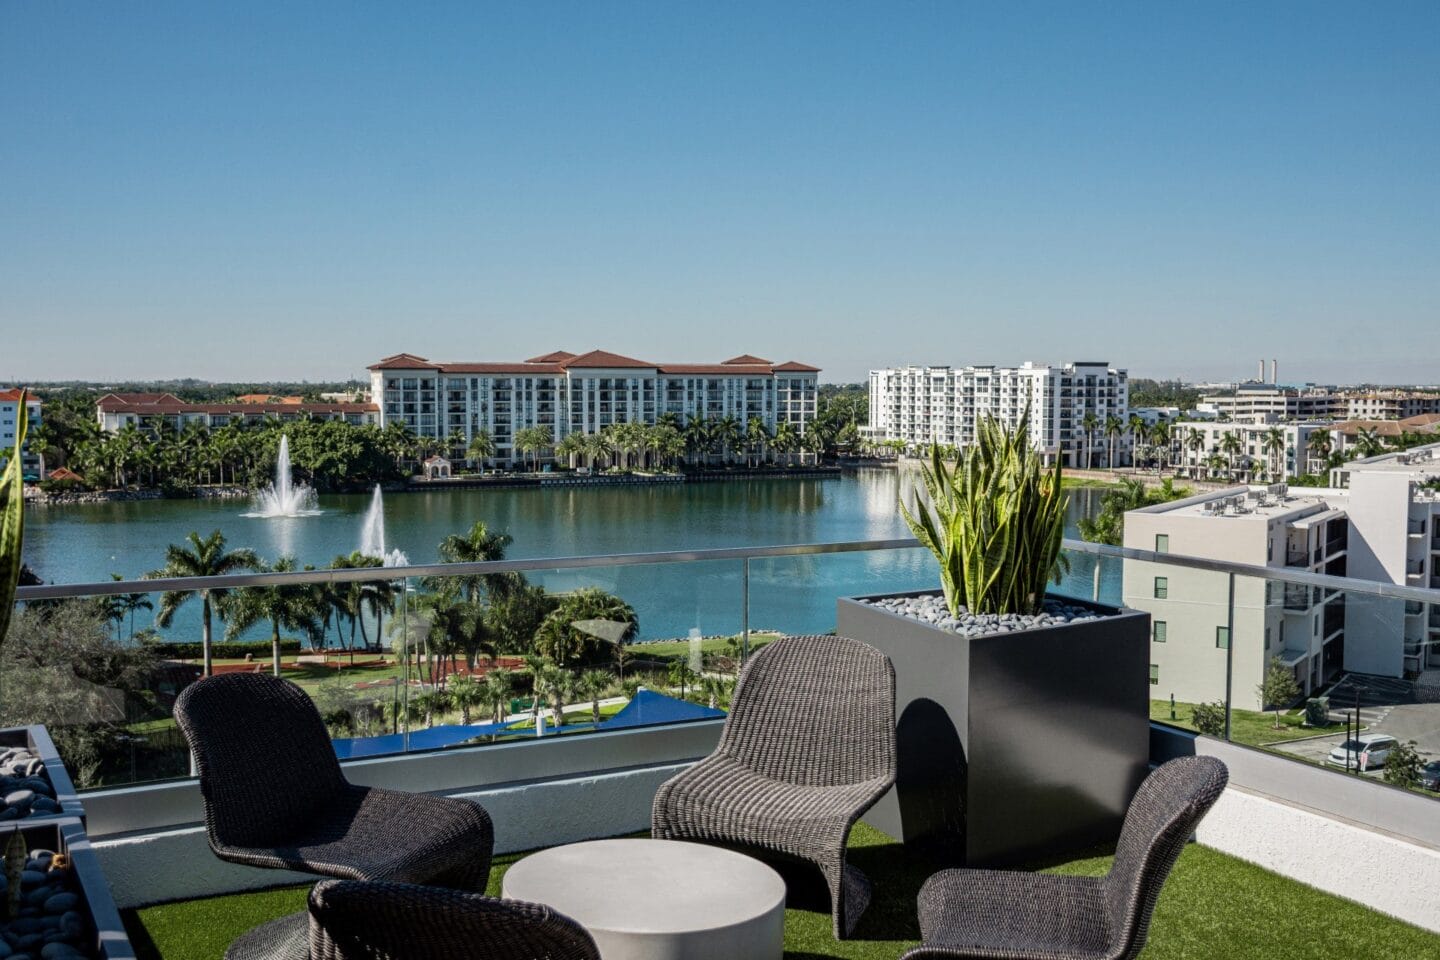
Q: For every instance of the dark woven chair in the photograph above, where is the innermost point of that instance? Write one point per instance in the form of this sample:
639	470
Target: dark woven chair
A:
353	920
1032	916
808	747
275	795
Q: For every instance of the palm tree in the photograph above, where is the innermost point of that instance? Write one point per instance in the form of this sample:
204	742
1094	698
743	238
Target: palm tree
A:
288	608
1114	427
555	684
482	447
591	685
498	689
756	437
203	558
1195	440
785	439
1368	443
1319	446
728	435
597	445
1216	462
681	675
123	605
1089	423
466	693
1273	444
479	545
571	446
697	435
1231	446
455	442
1137	428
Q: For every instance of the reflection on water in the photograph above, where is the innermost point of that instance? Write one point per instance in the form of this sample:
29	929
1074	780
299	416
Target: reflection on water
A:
86	543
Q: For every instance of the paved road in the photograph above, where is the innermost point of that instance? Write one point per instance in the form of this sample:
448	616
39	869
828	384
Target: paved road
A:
1404	721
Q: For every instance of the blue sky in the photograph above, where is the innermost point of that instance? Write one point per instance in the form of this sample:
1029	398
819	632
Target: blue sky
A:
273	190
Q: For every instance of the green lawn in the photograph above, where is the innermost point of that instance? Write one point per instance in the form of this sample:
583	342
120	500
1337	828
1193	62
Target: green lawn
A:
1250	727
710	645
1214	906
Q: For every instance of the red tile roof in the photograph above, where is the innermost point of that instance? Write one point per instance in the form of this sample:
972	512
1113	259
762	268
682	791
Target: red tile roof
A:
64	473
726	369
560	360
402	361
139	398
234	409
14	395
604	358
529	366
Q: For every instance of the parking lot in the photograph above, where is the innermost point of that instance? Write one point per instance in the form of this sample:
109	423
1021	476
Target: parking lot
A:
1385	707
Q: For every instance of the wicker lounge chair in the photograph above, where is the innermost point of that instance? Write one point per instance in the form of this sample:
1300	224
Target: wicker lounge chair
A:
1031	916
808	747
275	795
354	920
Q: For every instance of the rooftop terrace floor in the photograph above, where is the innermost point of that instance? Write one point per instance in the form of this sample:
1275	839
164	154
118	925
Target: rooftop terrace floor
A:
1213	906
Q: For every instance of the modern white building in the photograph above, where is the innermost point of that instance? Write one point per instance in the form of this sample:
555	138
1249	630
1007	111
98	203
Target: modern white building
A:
585	393
1274	403
142	410
921	405
31	462
1378	521
1201	442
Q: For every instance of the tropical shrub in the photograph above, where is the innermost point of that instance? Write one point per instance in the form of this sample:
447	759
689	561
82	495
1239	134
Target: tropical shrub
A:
994	519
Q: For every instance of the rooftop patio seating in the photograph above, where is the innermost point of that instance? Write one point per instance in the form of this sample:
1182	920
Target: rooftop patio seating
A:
808	747
275	795
357	920
1031	916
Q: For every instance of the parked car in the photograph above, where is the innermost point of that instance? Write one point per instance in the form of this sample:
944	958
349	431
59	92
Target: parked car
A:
1430	776
1368	751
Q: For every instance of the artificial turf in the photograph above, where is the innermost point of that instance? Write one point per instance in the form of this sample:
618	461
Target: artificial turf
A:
1214	906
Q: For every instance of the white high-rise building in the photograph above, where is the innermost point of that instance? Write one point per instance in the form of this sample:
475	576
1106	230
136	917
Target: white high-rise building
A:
585	393
30	460
921	405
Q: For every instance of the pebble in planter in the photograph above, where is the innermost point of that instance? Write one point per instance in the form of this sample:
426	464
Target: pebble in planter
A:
48	921
25	787
933	610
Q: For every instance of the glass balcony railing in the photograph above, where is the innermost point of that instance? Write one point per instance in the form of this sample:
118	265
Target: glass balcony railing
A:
426	658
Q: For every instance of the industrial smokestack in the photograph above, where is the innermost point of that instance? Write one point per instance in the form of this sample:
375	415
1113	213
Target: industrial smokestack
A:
1260	376
1274	371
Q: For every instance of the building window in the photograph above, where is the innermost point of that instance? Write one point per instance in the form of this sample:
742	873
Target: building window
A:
1162	543
1162	588
1222	638
1157	631
1154	674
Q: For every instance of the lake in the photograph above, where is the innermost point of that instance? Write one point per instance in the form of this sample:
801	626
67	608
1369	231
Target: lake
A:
87	543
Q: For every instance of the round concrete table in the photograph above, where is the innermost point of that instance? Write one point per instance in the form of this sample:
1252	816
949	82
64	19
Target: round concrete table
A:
659	899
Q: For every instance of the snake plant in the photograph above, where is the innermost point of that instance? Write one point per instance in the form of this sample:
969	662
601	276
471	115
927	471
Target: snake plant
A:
994	518
12	520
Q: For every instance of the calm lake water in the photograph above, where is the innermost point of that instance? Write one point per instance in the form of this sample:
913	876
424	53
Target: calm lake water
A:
87	543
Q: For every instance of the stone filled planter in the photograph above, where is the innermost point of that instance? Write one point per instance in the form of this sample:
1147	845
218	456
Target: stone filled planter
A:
1012	747
35	742
84	917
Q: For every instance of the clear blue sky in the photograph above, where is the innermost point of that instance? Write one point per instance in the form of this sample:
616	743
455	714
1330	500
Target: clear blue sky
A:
282	190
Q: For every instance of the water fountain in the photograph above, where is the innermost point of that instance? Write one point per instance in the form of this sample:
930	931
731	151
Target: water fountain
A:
372	533
284	497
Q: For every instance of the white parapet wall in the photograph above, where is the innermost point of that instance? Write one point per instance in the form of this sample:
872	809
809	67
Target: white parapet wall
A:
177	864
1381	871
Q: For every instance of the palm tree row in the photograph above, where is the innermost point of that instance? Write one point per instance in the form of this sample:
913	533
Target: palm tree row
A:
326	453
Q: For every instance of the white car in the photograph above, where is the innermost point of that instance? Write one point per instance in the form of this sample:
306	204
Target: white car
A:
1367	752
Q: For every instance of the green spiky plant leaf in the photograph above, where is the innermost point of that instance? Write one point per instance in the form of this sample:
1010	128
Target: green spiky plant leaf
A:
994	518
12	520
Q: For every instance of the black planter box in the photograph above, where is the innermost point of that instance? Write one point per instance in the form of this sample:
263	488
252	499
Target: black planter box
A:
37	740
67	836
1013	747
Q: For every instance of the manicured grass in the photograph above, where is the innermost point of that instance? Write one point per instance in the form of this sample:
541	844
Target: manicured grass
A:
1213	906
678	648
1250	727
